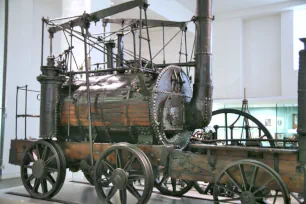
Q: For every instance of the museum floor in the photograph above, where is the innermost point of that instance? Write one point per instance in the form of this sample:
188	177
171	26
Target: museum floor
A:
80	192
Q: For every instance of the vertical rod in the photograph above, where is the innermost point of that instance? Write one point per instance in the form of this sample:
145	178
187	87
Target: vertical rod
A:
70	81
42	41
88	95
164	54
50	45
25	112
186	50
3	110
140	38
148	36
134	45
181	45
104	37
226	131
16	119
276	119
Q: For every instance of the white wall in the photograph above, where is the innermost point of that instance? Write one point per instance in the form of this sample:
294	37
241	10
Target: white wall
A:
24	65
288	74
262	56
227	58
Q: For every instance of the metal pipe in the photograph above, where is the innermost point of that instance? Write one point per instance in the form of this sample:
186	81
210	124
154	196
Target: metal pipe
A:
148	36
16	117
247	149
134	45
140	37
120	57
104	36
164	54
3	110
42	41
88	96
70	81
301	130
199	111
109	50
64	18
25	112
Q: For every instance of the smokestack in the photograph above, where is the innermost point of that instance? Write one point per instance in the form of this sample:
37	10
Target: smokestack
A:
200	108
302	104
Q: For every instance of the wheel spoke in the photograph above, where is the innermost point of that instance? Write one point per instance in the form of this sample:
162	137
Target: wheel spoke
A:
133	191
109	166
36	185
118	158
44	186
51	170
111	193
233	180
44	154
165	178
275	197
129	164
135	177
50	179
264	186
226	189
31	156
228	200
173	183
28	166
253	179
30	178
123	197
243	177
37	152
50	159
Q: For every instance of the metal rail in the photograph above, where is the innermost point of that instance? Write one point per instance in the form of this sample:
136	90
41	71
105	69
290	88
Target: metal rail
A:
247	149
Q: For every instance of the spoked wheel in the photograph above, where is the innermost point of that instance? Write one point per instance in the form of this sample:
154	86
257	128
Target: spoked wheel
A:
43	169
204	188
249	182
171	186
239	125
120	166
89	177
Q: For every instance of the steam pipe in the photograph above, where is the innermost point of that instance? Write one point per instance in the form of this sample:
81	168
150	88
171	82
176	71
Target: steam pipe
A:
119	60
301	104
200	108
109	52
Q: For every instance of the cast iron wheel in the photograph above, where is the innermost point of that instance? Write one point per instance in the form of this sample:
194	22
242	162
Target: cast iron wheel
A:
204	188
171	186
89	178
262	130
250	181
42	170
63	161
125	165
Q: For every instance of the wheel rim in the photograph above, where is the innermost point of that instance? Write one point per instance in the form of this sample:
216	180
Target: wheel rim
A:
261	128
171	186
124	165
42	170
249	181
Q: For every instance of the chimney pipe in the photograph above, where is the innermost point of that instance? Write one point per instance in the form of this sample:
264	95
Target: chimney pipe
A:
302	104
200	108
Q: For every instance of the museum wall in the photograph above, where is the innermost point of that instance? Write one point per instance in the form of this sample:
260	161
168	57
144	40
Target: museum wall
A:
24	66
262	56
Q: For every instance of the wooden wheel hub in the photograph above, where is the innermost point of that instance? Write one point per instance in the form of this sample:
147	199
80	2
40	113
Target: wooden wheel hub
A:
119	179
39	170
247	197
